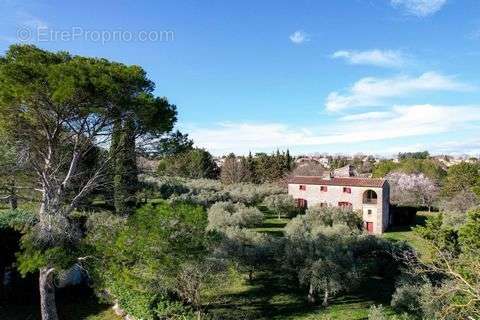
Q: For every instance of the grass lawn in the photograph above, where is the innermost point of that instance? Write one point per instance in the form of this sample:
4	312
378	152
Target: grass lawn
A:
405	233
272	225
266	298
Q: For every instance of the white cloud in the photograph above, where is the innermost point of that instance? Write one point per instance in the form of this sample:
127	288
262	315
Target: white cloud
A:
381	58
299	37
367	116
420	8
28	20
372	91
399	122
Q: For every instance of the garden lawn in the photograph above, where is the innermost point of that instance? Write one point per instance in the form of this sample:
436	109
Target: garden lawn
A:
265	298
405	233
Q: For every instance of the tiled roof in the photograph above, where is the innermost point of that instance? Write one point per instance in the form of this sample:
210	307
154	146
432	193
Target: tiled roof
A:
347	182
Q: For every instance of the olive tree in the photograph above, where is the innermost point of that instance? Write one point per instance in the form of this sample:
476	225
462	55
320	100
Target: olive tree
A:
328	253
281	204
227	214
330	216
248	249
322	258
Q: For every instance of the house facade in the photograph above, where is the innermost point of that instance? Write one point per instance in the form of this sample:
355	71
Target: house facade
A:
369	196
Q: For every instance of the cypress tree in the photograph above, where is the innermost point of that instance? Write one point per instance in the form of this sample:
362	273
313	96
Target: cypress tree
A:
113	154
126	171
251	168
288	161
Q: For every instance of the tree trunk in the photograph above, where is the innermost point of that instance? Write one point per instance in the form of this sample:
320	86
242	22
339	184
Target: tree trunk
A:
13	199
325	298
48	307
311	295
13	202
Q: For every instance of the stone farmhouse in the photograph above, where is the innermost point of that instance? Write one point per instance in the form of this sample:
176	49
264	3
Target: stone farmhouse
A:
369	196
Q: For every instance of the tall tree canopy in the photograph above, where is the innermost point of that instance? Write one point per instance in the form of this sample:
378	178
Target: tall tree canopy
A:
57	107
462	177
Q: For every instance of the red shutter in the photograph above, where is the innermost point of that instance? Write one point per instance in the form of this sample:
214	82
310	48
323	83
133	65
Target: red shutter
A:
369	227
301	203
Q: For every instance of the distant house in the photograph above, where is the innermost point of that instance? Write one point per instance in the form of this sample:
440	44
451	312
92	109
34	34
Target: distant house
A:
370	196
346	171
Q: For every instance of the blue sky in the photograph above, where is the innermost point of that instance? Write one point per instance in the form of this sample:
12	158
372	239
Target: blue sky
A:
344	76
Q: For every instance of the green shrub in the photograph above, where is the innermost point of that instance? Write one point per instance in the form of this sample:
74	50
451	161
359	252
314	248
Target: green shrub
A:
377	313
406	298
137	261
17	219
227	214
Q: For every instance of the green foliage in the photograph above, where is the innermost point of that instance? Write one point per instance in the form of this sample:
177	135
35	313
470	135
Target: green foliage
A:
469	232
193	164
251	251
443	237
34	81
166	309
270	168
317	217
428	167
17	219
413	155
138	261
252	194
226	214
173	144
31	258
461	177
27	72
137	303
281	204
338	162
33	255
407	298
384	167
330	257
125	179
454	270
207	191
